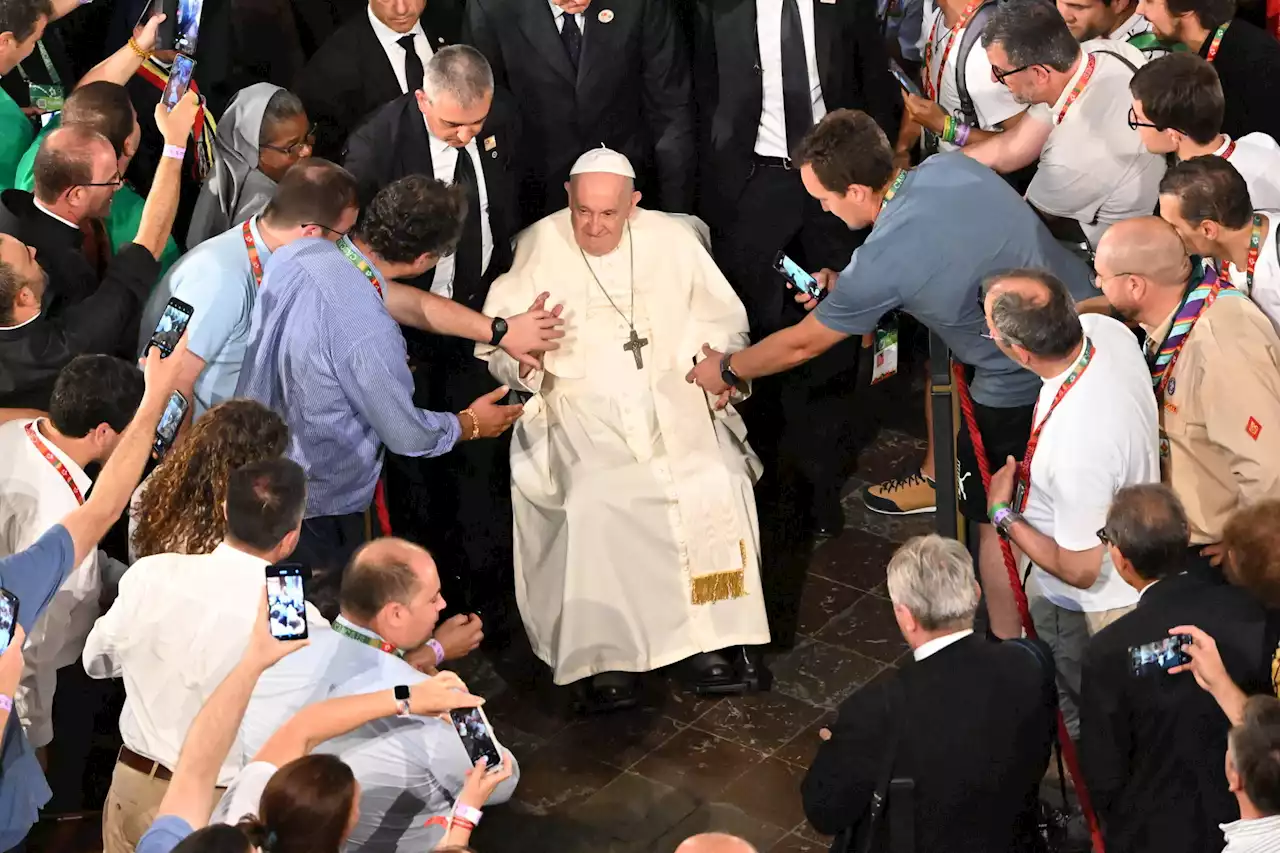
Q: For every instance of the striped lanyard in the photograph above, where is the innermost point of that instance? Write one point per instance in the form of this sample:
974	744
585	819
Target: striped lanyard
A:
254	261
1217	42
353	634
1078	87
349	251
34	435
1024	472
932	89
1197	300
1251	262
893	189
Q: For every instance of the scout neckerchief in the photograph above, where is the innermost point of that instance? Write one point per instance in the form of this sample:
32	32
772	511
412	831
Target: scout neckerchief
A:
1024	470
1217	42
204	127
932	89
254	261
1197	299
47	96
34	435
360	637
349	251
1251	262
1078	87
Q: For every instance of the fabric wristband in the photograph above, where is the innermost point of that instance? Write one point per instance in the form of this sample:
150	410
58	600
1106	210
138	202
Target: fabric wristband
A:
438	649
1001	515
175	152
996	509
466	813
962	134
6	703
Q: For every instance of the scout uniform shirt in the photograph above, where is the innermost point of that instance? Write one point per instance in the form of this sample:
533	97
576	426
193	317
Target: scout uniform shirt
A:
1221	414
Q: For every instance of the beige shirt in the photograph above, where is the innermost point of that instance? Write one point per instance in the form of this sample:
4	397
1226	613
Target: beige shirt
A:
1221	415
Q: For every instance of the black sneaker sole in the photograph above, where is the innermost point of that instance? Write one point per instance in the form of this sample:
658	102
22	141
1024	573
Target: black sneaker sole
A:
883	507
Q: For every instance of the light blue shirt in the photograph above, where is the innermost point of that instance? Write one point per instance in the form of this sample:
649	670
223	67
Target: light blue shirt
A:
409	768
326	354
216	280
166	833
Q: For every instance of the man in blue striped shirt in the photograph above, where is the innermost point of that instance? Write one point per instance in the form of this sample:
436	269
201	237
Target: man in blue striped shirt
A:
327	353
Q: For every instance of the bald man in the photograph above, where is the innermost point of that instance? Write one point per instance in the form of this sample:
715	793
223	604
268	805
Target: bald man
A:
714	842
1216	379
1095	432
410	769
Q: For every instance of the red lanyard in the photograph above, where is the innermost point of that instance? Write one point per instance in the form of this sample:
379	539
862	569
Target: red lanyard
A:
1079	87
1231	146
930	88
1217	42
254	260
1251	262
1024	472
34	435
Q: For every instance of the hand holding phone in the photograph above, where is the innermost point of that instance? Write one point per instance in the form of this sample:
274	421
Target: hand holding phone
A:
798	277
904	79
172	323
477	737
1160	655
8	618
287	601
179	81
170	422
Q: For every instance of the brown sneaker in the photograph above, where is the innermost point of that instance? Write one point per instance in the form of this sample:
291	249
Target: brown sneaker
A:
905	495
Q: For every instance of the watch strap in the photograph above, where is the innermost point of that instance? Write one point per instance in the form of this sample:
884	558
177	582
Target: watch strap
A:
497	330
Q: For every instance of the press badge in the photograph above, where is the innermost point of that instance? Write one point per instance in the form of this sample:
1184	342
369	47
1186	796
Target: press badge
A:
46	97
886	350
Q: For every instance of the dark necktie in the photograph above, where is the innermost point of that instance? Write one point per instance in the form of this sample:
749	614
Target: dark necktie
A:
797	100
468	256
571	36
412	64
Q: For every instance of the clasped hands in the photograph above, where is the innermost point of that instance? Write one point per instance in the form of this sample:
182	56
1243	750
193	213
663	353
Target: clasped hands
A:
529	336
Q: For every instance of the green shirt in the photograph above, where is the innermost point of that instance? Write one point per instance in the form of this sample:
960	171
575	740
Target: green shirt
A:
15	138
126	208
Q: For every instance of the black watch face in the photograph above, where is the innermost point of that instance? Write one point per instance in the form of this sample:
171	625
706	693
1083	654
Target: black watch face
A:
402	692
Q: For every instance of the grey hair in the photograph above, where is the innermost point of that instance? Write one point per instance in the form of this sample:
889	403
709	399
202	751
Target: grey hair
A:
281	107
933	578
459	71
1049	327
1032	32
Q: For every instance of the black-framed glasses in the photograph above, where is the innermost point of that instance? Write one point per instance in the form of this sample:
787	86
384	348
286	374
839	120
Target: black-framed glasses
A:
293	150
117	181
325	228
1000	74
1104	537
1134	124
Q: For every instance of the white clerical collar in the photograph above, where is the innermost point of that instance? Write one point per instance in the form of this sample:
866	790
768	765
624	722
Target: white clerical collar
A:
47	212
30	319
937	644
389	37
1082	62
1260	829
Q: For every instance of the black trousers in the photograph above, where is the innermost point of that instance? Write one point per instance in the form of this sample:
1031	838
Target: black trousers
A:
804	423
325	546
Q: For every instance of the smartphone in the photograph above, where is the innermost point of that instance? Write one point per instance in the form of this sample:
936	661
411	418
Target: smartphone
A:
173	322
1160	656
166	34
477	737
799	279
911	87
287	601
8	617
167	430
188	29
179	81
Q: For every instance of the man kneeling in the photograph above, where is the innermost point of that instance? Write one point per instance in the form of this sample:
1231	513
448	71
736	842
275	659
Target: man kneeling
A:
636	539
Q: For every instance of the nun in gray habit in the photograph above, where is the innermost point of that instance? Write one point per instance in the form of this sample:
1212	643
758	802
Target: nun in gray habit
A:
263	132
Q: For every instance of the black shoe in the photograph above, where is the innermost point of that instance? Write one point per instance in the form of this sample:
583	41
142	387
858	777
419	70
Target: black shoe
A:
728	672
607	691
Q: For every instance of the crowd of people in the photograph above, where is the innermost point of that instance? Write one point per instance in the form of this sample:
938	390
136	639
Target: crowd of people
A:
492	317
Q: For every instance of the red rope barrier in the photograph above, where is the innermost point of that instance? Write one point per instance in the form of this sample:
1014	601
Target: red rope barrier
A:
380	511
1024	611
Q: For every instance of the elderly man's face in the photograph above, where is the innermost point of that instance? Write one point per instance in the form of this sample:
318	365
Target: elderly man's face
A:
599	206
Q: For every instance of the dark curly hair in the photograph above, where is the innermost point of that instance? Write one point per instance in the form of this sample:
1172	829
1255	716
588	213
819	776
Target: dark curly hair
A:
414	216
180	508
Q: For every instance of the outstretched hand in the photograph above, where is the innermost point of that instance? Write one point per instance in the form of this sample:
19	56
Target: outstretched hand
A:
534	332
706	373
492	418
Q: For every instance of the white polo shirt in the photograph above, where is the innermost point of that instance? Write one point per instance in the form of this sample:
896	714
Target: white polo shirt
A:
1256	157
992	101
1266	273
1094	168
1102	436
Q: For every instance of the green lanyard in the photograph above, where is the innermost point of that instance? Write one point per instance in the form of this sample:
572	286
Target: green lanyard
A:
46	96
352	633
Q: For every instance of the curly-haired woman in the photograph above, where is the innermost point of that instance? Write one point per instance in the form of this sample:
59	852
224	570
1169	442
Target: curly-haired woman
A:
178	509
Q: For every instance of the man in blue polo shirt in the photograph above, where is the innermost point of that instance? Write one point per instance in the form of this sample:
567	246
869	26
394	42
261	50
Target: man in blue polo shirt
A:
220	278
937	232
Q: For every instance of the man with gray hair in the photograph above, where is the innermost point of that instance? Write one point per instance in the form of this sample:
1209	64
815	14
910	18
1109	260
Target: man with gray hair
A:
459	130
1095	431
971	719
1094	170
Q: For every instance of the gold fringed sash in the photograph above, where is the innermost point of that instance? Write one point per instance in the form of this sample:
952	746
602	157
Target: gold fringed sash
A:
722	586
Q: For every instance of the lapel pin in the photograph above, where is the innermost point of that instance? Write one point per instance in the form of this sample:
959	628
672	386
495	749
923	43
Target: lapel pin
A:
605	16
490	143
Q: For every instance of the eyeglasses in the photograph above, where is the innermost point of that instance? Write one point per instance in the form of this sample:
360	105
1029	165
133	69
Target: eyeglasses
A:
1134	124
117	181
1104	537
325	228
1000	75
293	150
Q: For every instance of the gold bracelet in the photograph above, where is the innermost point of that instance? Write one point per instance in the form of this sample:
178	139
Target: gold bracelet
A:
475	423
141	54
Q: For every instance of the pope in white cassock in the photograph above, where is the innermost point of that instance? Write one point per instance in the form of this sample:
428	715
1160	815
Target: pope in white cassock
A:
636	538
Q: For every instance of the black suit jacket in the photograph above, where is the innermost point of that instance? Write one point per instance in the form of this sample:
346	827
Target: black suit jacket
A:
394	143
59	249
350	76
853	68
631	93
976	727
1152	746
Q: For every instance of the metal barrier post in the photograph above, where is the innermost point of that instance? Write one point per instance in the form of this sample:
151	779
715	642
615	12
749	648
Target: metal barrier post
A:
941	402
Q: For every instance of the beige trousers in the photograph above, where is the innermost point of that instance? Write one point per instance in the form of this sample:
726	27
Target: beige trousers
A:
131	806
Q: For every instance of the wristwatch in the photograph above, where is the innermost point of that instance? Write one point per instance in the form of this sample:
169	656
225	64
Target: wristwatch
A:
728	377
1004	519
402	700
499	328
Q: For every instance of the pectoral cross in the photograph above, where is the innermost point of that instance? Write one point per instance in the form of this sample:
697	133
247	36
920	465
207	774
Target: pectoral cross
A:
634	346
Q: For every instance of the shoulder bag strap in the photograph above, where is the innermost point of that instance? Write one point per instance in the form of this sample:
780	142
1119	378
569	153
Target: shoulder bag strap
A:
972	33
1133	69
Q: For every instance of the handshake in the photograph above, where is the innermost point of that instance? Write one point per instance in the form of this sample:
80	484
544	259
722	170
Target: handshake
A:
527	338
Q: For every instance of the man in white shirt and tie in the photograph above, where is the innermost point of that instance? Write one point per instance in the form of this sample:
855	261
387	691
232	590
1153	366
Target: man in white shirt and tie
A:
410	769
178	627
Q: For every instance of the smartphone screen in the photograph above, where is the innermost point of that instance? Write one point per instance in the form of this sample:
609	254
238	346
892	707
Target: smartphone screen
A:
173	322
477	736
800	279
188	29
286	601
179	80
8	617
1160	656
167	430
904	79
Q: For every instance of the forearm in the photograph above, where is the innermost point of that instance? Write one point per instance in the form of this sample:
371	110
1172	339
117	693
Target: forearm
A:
785	349
1080	569
323	721
908	135
161	206
1231	699
438	315
116	68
